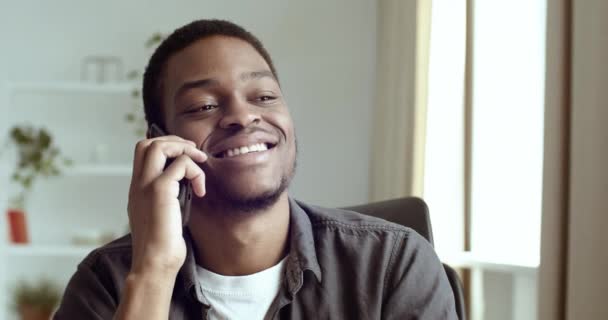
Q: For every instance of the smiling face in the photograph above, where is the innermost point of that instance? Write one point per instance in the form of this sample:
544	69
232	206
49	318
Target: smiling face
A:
220	93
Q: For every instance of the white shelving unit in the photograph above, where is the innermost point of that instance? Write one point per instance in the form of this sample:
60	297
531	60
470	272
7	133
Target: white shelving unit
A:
523	274
98	170
474	260
89	194
91	170
70	87
52	251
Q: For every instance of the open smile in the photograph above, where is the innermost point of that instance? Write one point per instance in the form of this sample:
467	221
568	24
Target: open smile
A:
243	150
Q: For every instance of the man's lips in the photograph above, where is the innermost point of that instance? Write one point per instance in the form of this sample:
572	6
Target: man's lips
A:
258	147
243	144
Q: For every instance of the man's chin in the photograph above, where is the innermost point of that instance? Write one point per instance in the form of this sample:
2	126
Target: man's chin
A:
236	199
245	192
251	203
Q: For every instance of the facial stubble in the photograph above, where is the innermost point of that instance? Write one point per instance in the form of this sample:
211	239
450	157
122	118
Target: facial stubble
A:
221	195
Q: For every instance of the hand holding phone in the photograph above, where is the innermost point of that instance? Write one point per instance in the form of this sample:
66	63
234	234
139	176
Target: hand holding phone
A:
166	172
185	188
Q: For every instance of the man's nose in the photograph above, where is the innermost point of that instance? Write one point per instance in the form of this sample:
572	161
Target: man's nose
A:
239	113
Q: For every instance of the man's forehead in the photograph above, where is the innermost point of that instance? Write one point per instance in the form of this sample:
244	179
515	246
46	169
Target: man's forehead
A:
217	50
216	56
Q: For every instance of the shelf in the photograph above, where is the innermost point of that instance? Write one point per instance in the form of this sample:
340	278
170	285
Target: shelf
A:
113	170
77	170
27	250
485	262
71	87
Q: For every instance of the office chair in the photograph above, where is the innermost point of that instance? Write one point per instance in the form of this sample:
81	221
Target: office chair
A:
414	213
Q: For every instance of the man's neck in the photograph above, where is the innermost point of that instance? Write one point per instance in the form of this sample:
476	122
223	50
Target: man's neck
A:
240	243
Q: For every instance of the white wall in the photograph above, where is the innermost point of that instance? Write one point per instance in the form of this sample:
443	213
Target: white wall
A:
324	51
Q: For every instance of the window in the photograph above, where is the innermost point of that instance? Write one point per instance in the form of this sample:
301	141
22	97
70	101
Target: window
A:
507	127
507	144
444	155
505	150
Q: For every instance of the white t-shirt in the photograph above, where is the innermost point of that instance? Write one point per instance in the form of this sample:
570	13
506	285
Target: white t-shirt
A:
241	297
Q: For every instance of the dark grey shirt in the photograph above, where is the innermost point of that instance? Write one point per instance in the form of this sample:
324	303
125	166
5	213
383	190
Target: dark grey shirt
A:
341	265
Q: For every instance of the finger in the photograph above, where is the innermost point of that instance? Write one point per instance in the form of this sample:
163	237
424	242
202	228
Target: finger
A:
185	167
159	152
142	146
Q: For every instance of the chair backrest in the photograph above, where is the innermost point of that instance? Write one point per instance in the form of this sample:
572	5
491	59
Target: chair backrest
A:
413	212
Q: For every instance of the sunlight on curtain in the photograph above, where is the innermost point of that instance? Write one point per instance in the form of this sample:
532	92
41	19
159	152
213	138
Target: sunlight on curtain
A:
508	105
443	180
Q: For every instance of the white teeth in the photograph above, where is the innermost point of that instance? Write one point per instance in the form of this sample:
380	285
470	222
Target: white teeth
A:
246	149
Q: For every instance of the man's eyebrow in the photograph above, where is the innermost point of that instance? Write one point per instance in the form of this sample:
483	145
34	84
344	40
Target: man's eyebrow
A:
202	83
254	75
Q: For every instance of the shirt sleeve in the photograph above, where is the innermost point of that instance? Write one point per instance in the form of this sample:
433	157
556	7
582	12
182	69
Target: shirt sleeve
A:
416	286
86	297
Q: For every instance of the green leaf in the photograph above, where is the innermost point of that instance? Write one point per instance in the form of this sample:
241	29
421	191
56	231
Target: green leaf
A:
132	75
37	156
27	182
154	39
140	132
43	295
44	138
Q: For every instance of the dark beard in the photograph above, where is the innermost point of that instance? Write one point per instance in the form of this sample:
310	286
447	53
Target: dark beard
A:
219	195
234	203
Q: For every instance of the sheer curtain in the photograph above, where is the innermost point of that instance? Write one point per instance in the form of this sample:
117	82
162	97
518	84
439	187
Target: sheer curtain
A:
400	108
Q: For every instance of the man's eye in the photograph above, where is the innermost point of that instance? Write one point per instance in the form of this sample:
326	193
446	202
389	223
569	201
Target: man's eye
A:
203	108
266	98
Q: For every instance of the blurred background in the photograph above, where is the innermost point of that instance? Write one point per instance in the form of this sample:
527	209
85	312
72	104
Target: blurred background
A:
492	111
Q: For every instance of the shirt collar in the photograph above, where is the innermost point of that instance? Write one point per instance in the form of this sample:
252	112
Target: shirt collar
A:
302	256
187	277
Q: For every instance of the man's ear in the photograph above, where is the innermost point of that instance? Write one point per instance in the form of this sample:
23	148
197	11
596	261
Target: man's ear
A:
154	131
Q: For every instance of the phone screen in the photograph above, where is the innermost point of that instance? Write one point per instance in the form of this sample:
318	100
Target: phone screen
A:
185	189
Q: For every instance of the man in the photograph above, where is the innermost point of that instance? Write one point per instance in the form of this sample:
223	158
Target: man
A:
248	250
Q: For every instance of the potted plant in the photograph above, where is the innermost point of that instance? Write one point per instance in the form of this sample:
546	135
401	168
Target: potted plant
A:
36	301
135	116
36	157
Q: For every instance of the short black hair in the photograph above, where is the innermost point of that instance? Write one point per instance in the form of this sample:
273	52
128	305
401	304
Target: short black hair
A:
178	40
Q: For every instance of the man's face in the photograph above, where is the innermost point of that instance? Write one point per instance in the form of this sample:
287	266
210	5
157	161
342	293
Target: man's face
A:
220	93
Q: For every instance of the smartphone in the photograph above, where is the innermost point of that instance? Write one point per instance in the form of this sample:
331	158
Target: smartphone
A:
185	188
